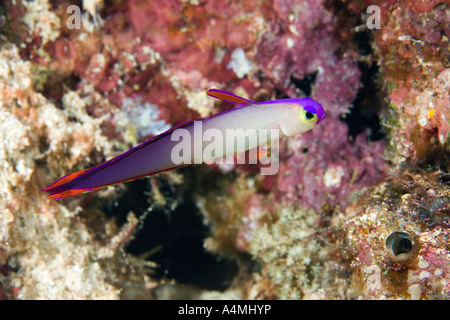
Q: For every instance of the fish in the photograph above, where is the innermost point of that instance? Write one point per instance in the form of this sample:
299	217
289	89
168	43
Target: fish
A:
289	116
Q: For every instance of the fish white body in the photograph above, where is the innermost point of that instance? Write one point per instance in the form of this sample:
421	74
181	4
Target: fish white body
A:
265	121
268	122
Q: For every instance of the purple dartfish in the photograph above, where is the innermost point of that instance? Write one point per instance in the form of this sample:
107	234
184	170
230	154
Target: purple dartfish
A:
289	116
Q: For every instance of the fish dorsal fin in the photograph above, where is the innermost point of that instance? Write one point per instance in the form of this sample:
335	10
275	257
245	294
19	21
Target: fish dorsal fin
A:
229	97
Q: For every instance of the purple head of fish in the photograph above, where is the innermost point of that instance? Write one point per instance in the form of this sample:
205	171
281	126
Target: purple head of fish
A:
312	106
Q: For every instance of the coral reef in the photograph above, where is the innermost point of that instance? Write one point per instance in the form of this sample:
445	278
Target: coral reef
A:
359	208
414	204
39	236
414	47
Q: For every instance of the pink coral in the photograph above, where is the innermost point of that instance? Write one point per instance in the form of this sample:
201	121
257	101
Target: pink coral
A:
326	169
304	44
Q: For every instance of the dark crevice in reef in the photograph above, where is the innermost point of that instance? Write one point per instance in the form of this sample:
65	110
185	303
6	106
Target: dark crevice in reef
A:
173	239
365	109
6	34
183	257
363	114
363	40
305	84
57	85
280	94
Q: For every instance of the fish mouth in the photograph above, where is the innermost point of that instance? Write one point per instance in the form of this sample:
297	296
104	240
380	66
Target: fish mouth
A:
321	114
321	117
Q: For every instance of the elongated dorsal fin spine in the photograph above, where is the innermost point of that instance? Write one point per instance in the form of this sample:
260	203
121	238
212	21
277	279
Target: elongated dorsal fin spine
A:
226	96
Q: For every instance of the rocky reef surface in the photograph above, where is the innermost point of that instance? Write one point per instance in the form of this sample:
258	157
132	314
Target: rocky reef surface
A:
360	207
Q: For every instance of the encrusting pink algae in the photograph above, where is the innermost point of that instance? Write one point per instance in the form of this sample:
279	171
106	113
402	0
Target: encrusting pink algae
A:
358	210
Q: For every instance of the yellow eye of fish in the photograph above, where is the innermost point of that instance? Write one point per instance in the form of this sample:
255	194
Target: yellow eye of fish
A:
309	116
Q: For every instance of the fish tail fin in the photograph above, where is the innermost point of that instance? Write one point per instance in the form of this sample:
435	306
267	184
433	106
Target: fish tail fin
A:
71	185
64	180
65	187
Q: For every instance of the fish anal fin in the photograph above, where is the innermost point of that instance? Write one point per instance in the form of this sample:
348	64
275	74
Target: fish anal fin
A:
66	193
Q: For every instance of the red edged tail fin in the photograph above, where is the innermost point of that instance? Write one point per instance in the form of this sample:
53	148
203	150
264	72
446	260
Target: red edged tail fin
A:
64	180
62	188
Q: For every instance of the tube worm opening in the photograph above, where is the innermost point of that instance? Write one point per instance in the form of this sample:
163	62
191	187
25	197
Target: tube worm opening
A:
399	245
